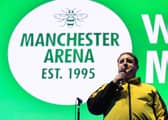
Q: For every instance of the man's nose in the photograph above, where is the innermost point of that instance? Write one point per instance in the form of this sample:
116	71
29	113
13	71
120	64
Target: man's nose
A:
125	64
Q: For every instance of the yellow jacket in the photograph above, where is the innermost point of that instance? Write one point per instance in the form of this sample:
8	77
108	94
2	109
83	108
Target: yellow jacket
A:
132	100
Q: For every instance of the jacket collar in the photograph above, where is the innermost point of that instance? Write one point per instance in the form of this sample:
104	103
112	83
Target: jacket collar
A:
134	80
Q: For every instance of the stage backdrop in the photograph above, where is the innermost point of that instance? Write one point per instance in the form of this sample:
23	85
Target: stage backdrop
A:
53	52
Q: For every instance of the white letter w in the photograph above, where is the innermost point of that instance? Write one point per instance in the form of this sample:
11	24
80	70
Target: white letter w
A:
153	33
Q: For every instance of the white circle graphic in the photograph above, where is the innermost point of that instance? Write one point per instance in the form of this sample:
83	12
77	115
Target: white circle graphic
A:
59	51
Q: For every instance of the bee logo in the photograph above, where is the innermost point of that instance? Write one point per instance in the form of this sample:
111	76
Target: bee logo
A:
70	17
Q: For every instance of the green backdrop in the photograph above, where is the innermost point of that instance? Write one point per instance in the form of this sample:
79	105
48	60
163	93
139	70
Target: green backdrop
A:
16	104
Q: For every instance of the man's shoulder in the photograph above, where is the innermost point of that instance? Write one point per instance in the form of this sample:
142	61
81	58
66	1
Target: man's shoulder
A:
148	86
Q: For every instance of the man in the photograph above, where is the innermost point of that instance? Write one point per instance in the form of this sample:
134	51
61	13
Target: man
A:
125	97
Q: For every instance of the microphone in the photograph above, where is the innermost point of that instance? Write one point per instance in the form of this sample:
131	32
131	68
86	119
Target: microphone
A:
123	69
79	100
78	107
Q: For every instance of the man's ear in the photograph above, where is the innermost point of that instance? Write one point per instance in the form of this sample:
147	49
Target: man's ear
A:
137	67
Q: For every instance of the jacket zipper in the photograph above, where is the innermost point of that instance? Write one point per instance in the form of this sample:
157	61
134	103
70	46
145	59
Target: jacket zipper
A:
129	102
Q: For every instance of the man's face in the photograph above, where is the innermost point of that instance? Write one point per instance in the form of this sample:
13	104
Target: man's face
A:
126	63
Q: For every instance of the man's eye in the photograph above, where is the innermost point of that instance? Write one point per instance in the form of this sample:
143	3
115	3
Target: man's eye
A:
121	61
129	61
